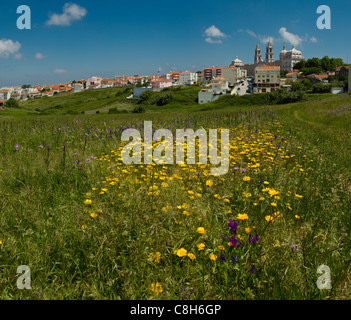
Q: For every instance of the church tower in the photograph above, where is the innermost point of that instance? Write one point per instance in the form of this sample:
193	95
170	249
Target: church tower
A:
258	55
269	53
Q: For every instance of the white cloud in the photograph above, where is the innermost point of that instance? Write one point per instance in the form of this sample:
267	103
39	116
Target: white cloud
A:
18	56
263	39
290	37
214	32
313	39
210	40
71	12
266	39
60	71
8	48
40	56
251	33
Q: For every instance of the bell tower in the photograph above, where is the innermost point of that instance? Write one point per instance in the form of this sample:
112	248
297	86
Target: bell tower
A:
269	53
258	55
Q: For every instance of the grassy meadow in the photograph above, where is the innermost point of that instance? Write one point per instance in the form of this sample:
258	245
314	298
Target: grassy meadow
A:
91	227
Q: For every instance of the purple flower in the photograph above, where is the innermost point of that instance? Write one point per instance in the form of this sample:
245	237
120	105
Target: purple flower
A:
222	257
295	248
243	170
29	151
250	239
41	146
233	241
86	160
17	147
255	240
233	226
234	258
236	169
253	269
92	157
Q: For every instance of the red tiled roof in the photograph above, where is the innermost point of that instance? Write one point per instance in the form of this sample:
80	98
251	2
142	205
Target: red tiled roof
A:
321	76
269	68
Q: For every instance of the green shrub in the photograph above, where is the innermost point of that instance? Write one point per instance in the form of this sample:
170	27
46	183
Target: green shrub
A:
162	98
139	109
72	112
282	96
11	103
321	88
145	97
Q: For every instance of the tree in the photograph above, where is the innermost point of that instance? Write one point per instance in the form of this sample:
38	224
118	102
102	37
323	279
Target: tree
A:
145	97
11	103
326	64
313	63
283	73
162	99
321	88
139	109
300	65
297	86
311	70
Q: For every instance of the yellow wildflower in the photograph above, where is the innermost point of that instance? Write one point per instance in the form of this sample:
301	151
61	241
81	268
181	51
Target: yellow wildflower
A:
181	252
191	256
269	218
155	257
209	183
213	257
242	216
156	288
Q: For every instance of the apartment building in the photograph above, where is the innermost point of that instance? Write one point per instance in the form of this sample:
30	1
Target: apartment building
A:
267	79
210	73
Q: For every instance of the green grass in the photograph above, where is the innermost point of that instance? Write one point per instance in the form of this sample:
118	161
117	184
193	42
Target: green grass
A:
43	189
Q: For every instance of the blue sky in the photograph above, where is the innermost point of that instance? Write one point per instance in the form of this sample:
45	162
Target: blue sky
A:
79	39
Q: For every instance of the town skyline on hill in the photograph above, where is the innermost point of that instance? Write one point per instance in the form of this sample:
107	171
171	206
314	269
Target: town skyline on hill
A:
73	41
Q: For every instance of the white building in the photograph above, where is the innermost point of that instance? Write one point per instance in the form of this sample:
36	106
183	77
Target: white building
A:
94	82
237	63
219	87
207	96
234	74
187	78
5	95
78	87
289	58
